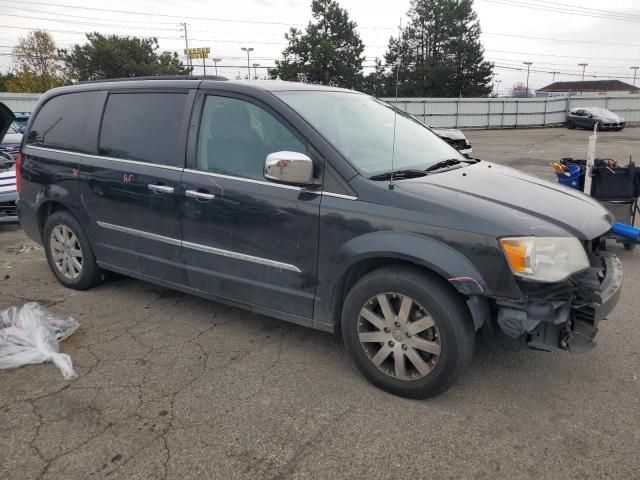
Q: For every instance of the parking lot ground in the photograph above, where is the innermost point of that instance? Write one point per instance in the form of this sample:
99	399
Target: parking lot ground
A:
173	386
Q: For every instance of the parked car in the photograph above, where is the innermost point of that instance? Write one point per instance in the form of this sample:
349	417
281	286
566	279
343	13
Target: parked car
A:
455	138
8	189
11	142
320	206
20	122
590	116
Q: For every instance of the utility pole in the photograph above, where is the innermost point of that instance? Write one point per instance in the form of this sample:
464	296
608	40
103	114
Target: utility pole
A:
498	82
584	66
635	73
215	62
186	46
554	77
528	64
255	70
248	50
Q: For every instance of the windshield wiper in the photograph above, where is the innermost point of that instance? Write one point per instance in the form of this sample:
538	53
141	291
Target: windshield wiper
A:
449	162
399	174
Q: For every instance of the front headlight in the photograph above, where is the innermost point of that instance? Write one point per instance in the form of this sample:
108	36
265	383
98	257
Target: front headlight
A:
545	259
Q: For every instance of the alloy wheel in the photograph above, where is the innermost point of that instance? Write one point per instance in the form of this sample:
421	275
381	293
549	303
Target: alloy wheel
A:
399	336
66	252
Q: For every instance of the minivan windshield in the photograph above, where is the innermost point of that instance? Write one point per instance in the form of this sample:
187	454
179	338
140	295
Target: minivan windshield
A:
361	128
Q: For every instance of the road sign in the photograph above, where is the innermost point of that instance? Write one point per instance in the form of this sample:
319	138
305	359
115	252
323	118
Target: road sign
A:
202	52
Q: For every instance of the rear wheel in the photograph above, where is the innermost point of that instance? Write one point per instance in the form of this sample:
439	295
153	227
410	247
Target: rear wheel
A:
629	246
69	253
570	124
407	331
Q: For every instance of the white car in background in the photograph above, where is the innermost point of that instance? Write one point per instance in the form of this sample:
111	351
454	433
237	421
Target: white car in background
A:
8	190
455	138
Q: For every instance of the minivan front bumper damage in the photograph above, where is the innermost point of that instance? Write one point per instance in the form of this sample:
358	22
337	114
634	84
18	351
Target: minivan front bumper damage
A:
564	316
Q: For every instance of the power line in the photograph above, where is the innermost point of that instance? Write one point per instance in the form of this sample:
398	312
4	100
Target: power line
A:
21	8
565	11
512	35
563	56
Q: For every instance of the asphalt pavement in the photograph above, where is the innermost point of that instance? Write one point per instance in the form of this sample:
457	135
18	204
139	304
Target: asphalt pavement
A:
177	387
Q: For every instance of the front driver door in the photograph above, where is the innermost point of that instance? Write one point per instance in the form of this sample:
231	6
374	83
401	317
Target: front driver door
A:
245	238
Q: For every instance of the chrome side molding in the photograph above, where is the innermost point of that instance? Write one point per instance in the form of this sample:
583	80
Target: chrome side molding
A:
201	248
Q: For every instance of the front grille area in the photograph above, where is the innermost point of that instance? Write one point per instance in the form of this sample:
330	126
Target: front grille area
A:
8	209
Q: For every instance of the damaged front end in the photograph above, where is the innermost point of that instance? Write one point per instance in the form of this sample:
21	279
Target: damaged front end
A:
565	315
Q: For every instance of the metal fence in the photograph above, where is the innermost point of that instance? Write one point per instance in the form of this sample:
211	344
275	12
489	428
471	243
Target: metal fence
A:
511	112
19	102
466	112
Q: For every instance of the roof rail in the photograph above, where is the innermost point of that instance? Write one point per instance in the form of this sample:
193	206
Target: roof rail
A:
158	77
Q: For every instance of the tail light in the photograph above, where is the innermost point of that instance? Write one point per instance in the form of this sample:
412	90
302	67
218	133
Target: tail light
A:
18	158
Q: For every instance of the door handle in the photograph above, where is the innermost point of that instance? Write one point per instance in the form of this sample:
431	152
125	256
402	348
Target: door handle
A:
160	188
199	195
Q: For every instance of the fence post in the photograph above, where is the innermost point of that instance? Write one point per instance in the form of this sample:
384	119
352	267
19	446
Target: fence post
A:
606	102
517	111
544	116
488	113
424	112
457	111
502	116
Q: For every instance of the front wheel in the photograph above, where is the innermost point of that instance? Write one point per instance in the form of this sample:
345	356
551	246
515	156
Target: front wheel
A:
69	253
570	125
407	331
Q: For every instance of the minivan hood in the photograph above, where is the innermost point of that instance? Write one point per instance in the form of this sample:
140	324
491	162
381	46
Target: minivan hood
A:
6	118
523	204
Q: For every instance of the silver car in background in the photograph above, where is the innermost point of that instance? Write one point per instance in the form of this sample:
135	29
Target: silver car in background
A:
588	117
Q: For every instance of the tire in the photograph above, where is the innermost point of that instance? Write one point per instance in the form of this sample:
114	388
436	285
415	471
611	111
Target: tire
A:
571	125
629	246
64	238
439	322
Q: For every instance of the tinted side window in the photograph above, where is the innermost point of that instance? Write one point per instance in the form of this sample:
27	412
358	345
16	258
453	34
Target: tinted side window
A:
236	136
64	122
144	127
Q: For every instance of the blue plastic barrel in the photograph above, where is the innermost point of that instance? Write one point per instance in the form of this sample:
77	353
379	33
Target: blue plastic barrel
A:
572	179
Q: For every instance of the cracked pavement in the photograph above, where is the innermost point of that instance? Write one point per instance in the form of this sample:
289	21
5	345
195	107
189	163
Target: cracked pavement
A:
175	387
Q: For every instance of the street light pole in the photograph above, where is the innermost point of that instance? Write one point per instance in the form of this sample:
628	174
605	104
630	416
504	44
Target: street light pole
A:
528	64
554	77
635	72
584	66
248	50
498	82
255	70
215	62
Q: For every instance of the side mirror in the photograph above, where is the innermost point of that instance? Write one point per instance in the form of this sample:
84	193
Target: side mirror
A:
289	167
590	115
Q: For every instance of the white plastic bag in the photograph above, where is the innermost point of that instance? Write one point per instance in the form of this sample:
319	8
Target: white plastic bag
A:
31	334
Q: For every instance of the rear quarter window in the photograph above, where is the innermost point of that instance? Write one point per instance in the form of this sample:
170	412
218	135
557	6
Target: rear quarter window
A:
65	122
145	127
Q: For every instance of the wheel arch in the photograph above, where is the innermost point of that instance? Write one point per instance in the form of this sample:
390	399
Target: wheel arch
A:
50	206
379	249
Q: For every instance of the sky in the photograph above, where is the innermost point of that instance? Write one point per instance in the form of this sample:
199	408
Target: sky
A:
554	35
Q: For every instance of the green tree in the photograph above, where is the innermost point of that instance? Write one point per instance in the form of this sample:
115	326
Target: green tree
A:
6	78
36	64
329	51
439	53
114	56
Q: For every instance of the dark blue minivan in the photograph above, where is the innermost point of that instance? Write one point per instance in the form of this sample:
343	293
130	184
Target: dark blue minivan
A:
317	205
